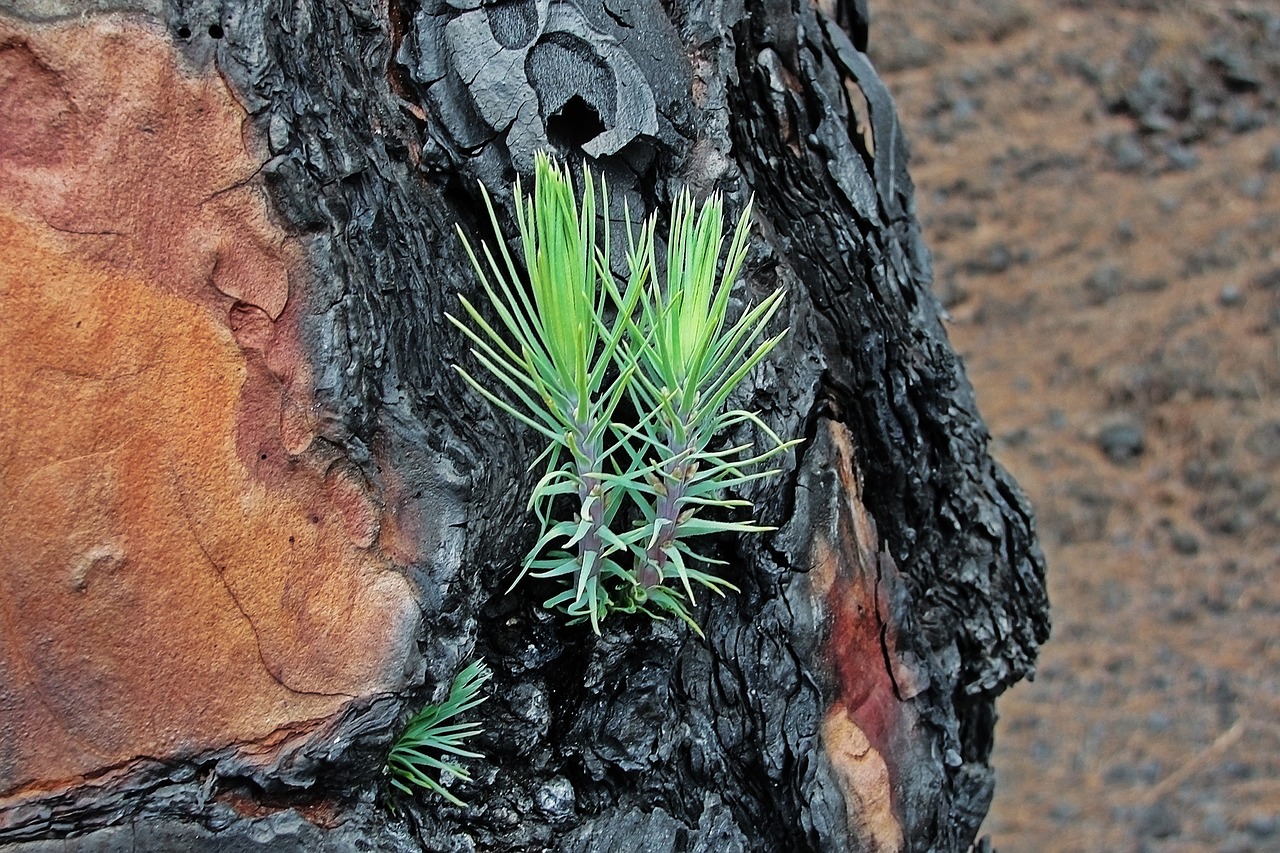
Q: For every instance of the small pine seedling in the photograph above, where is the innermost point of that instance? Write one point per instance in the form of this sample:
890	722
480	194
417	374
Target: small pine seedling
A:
429	738
619	501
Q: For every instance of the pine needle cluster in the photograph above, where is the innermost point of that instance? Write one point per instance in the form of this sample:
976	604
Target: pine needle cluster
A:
427	742
623	500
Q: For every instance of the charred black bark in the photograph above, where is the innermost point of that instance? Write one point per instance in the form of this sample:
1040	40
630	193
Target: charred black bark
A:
380	123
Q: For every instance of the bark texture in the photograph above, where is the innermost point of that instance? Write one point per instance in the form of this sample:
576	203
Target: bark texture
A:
843	701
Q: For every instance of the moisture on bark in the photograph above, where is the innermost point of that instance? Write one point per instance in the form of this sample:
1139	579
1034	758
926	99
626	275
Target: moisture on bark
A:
844	700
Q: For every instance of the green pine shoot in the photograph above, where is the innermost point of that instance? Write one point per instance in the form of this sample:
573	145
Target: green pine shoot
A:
618	502
687	359
423	747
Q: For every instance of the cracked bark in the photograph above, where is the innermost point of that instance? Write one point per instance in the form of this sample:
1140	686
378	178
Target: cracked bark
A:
845	700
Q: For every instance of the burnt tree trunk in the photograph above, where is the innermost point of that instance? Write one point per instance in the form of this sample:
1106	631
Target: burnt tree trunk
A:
845	700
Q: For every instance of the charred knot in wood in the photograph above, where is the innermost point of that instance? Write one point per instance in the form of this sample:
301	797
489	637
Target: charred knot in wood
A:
533	73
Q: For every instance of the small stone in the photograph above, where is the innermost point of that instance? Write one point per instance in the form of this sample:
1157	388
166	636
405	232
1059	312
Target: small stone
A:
964	110
1102	285
1215	825
1241	119
1230	296
1185	543
1020	437
1264	441
1154	121
1115	597
1237	843
1236	771
1149	772
996	259
1122	442
1269	280
1272	161
1159	821
1263	826
1065	813
1181	157
1253	187
1236	69
1126	152
1254	490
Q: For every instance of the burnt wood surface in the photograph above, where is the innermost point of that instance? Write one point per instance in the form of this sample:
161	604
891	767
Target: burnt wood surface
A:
378	124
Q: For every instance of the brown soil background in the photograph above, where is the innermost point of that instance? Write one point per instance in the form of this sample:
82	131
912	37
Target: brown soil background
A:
1100	186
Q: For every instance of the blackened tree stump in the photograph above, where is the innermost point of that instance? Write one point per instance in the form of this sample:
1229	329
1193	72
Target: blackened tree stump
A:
252	518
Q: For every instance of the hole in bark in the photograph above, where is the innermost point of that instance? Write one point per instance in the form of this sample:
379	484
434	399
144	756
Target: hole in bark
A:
575	124
215	31
184	32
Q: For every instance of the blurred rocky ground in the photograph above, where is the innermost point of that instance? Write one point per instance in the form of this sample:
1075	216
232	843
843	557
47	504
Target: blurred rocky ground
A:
1100	186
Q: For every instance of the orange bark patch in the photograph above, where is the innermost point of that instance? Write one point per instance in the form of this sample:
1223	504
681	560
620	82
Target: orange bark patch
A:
182	569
